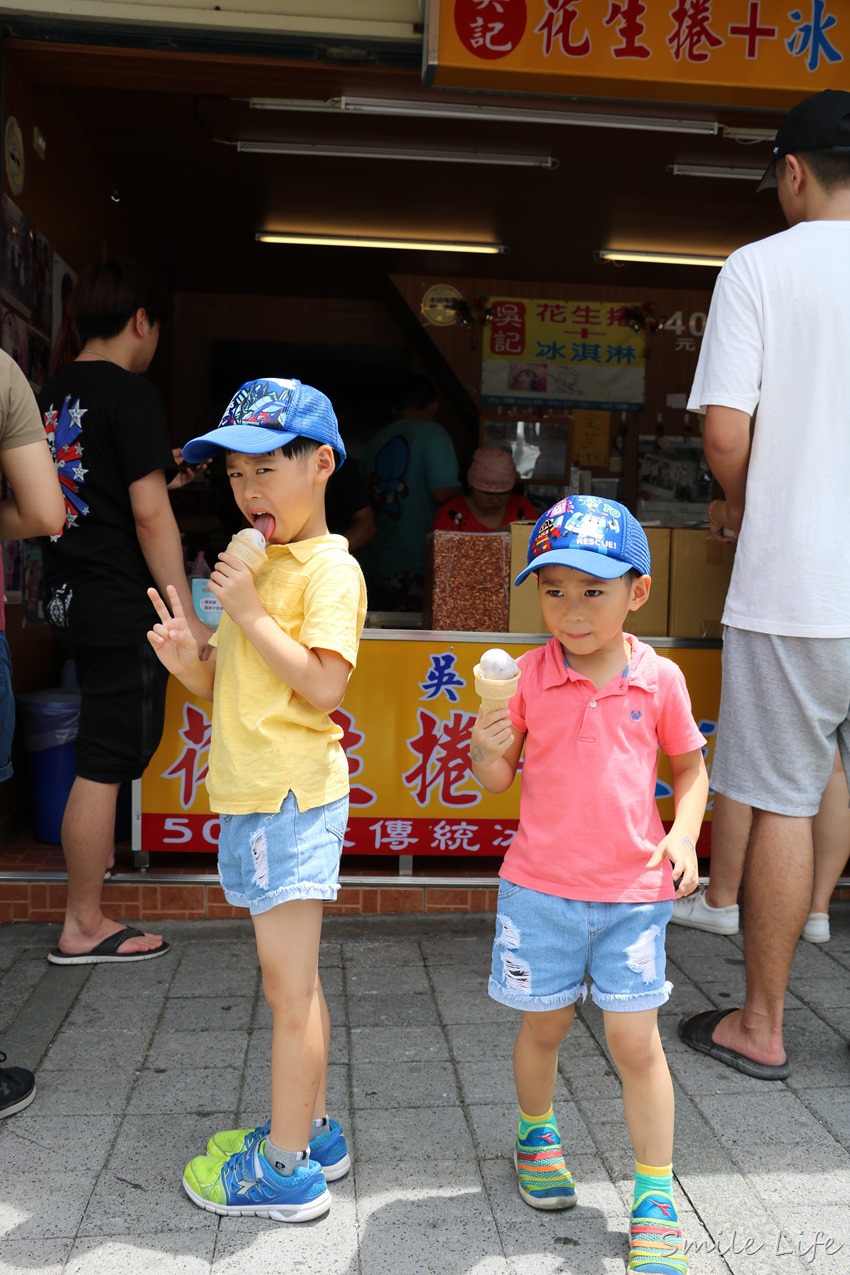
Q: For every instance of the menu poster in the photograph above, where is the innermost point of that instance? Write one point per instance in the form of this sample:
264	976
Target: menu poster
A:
64	342
32	578
12	569
563	354
39	359
42	298
591	438
16	272
14	338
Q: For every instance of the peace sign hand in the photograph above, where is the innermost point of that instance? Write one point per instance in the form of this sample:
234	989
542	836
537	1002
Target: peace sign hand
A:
172	639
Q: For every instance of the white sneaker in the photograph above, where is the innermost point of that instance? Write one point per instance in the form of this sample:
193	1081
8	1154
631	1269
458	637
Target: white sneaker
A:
699	915
816	929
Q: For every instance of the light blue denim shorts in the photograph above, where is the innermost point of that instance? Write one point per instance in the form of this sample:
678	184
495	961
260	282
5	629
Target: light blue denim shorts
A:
545	945
265	859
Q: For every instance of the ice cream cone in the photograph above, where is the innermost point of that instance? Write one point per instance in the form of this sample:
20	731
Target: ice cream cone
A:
249	546
494	694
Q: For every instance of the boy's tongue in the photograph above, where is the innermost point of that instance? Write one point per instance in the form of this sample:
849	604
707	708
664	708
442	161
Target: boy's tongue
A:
265	524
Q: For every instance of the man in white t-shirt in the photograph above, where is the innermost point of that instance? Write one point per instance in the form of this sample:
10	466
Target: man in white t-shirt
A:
774	382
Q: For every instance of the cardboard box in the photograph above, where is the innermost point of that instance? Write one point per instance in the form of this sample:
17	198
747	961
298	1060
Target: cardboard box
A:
700	571
524	614
466	581
651	619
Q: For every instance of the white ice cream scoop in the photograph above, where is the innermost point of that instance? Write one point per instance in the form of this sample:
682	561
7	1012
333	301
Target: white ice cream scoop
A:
497	665
496	679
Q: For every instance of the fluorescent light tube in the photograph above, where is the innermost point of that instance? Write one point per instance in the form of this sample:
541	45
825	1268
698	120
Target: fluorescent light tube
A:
492	114
380	152
376	241
748	134
711	170
503	115
660	258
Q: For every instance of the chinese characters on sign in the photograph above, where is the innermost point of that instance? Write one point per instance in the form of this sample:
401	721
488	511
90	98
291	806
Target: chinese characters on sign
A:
406	738
563	354
797	44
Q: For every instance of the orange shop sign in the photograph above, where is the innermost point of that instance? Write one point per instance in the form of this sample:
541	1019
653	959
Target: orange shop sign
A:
406	721
762	52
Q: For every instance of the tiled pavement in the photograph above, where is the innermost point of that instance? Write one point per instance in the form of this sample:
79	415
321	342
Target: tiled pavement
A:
137	1065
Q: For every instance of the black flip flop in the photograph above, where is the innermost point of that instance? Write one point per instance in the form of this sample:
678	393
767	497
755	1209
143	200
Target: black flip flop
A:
696	1031
106	953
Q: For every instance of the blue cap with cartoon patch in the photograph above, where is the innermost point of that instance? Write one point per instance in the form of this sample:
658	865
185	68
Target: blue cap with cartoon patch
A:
266	414
589	534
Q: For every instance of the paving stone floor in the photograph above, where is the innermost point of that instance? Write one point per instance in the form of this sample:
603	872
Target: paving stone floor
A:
137	1065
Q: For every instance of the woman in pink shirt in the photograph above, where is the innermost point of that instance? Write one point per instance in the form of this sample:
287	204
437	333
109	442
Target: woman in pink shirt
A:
490	501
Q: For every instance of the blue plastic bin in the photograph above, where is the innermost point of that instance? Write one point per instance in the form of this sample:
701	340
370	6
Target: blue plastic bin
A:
50	721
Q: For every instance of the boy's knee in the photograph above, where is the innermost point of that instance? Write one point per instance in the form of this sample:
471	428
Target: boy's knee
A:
549	1027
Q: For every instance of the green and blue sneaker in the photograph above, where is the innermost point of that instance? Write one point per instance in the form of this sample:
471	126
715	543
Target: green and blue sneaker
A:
544	1180
245	1184
329	1149
655	1239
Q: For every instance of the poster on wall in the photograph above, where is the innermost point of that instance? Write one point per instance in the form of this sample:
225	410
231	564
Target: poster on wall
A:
563	354
16	275
42	277
64	343
14	338
32	578
12	569
39	359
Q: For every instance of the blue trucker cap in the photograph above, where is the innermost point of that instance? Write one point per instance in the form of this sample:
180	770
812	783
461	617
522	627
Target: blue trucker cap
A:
590	534
266	414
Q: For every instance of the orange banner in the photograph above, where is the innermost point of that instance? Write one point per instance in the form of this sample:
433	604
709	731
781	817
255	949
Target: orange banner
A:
406	721
746	51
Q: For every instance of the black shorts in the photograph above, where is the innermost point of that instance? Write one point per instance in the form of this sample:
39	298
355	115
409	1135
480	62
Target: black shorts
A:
122	710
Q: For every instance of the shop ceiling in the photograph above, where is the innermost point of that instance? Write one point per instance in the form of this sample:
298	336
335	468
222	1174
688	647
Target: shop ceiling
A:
166	128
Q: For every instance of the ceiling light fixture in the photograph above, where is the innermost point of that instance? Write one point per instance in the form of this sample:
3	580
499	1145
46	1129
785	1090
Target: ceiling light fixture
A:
374	241
490	114
381	152
620	256
712	170
748	134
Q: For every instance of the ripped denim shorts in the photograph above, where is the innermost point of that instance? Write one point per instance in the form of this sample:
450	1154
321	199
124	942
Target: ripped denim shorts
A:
545	945
266	859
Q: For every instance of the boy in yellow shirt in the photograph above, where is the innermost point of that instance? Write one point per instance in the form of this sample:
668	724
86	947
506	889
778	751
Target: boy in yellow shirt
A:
278	776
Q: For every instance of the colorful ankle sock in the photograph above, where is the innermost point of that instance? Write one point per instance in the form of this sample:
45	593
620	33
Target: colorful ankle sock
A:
650	1178
544	1180
656	1244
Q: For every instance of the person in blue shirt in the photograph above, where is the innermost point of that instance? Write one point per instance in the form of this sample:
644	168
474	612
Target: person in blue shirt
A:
411	468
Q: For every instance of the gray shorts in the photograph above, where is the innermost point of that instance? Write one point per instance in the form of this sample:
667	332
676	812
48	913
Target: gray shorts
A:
784	705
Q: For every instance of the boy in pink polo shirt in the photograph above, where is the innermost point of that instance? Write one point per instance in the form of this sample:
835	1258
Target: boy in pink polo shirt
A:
588	882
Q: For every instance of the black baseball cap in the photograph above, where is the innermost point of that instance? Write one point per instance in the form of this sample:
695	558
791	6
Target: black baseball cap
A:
818	123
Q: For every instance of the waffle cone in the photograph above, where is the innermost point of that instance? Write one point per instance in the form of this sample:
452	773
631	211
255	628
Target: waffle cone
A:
494	694
244	548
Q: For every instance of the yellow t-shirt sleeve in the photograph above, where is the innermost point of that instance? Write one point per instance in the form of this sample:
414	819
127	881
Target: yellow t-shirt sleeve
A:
335	610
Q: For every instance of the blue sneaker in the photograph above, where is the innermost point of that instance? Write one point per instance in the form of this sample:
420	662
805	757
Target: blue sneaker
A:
329	1149
543	1178
246	1185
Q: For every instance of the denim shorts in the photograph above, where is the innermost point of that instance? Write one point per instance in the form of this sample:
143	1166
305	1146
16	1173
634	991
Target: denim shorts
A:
545	945
265	859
